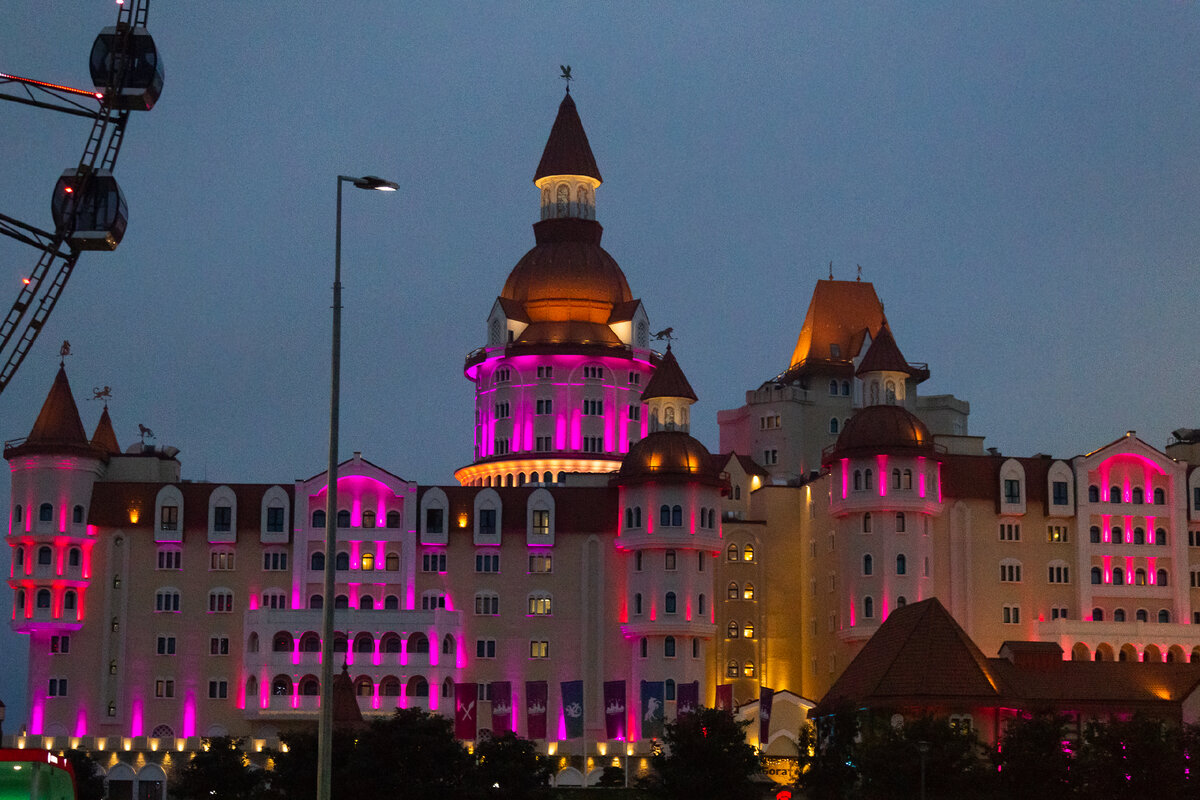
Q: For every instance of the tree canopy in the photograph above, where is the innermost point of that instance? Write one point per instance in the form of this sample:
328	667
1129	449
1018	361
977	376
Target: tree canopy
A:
705	754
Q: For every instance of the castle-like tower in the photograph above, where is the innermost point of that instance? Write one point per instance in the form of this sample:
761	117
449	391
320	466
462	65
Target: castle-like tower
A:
558	384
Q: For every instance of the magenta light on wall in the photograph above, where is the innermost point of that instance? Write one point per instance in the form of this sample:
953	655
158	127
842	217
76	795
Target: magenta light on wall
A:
136	724
189	714
81	722
881	461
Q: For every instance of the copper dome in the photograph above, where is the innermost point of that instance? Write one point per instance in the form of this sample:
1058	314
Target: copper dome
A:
664	454
567	276
883	429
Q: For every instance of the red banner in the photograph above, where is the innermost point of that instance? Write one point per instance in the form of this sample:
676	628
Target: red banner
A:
465	705
725	697
536	695
766	699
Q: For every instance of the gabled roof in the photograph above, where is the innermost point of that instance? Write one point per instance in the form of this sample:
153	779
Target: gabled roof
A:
668	380
58	427
513	309
567	150
840	314
623	312
105	438
920	655
883	354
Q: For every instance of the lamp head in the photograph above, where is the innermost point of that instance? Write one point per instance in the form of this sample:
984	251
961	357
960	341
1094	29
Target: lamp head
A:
375	183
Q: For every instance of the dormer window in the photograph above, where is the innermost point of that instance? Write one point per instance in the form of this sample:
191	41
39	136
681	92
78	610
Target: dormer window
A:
835	351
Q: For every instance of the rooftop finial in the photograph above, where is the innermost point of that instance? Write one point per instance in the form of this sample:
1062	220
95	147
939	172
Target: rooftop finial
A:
859	278
63	352
566	75
830	270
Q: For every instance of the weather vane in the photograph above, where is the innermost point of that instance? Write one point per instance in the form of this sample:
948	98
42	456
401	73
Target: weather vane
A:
63	352
665	333
566	75
101	393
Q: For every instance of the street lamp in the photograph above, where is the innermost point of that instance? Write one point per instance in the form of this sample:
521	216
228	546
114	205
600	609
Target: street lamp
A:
923	749
325	727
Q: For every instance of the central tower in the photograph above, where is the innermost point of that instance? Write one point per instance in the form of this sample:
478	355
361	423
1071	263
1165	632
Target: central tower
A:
558	385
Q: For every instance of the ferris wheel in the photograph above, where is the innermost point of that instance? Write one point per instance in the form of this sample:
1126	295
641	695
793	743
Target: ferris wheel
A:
87	206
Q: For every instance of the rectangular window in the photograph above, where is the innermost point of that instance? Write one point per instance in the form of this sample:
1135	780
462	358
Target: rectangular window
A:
669	565
1012	615
487	562
487	605
218	646
166	601
1196	498
593	444
541	522
1012	491
1010	532
433	562
275	561
222	518
60	644
169	559
593	373
1010	573
635	413
545	406
170	518
502	410
770	457
501	446
166	646
487	522
593	408
1060	493
218	690
545	372
485	648
539	564
635	379
1059	573
539	649
543	444
275	519
57	687
1058	612
433	520
220	560
431	601
1056	533
164	688
220	602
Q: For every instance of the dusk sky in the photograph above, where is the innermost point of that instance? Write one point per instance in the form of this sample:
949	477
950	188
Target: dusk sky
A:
1019	181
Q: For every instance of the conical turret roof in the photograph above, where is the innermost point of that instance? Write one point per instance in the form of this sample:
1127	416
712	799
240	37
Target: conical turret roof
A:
105	438
58	428
567	150
884	355
668	380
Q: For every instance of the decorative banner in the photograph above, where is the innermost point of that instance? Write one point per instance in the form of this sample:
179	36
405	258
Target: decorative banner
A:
572	707
501	707
466	701
766	698
687	698
614	709
536	695
652	709
725	697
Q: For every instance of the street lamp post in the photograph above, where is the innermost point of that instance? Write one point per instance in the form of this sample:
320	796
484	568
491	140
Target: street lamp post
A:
325	727
923	749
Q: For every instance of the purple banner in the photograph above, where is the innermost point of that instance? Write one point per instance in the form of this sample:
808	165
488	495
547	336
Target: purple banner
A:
766	699
502	715
614	709
536	695
687	698
465	703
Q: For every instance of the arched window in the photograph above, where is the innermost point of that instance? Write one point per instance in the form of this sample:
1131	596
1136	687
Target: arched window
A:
1161	577
448	687
69	599
368	519
1097	576
748	630
366	561
731	553
1119	615
1118	535
19	556
900	522
418	643
1139	496
628	517
732	630
281	686
731	669
1139	577
643	647
1114	494
318	519
310	642
868	608
1118	576
390	643
74	556
857	479
845	388
310	686
748	592
833	425
1142	616
1160	536
867	480
901	602
1160	497
317	562
77	515
391	603
833	388
901	564
389	686
281	642
418	687
866	522
1139	535
343	518
342	562
868	564
393	519
637	603
637	515
42	598
341	601
391	562
364	643
366	603
669	604
748	669
1094	534
1164	615
448	645
895	479
664	516
1093	494
1098	616
676	516
908	479
669	647
251	686
45	555
316	601
733	591
701	605
748	553
45	512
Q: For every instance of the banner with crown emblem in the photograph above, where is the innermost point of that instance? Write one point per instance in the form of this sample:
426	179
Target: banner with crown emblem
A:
614	709
466	701
572	708
501	707
652	709
766	699
687	698
536	696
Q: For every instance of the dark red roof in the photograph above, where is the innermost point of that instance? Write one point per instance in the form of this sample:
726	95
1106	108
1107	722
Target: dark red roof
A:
58	427
105	438
567	150
840	314
668	380
669	454
883	354
882	429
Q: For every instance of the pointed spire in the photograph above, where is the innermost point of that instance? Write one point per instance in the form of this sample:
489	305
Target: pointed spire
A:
105	438
883	355
668	380
567	150
58	423
346	713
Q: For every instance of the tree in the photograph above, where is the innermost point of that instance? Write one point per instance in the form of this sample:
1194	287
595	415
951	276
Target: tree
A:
889	759
218	771
1139	757
89	778
705	754
611	778
413	751
511	767
1032	757
827	770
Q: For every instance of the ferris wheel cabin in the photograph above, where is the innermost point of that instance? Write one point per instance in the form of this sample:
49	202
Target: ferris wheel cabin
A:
35	774
93	211
143	78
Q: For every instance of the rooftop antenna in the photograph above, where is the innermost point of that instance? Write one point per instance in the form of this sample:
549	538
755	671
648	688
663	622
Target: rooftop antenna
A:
859	278
566	75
